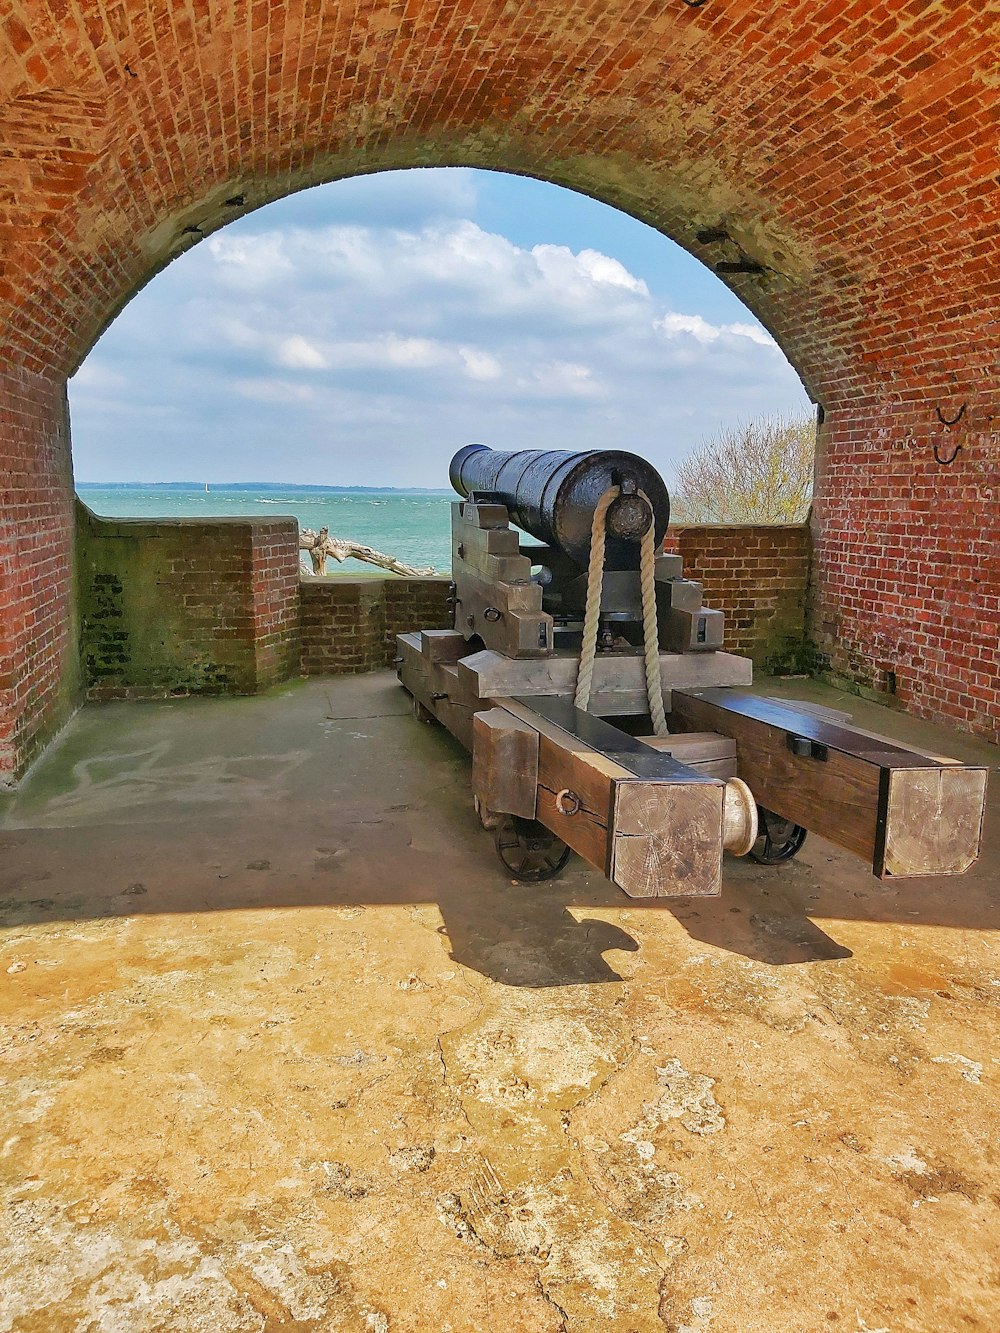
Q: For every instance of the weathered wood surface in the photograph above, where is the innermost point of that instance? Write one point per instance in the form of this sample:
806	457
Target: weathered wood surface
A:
619	681
704	751
934	820
322	546
653	826
667	839
505	762
494	595
436	686
907	814
443	645
698	631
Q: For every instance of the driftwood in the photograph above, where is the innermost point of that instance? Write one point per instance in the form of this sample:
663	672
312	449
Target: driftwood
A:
320	545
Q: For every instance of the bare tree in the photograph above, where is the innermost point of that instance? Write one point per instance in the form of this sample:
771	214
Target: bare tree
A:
758	472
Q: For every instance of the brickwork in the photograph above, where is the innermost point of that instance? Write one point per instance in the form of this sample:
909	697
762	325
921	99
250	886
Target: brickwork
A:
180	606
759	576
38	681
350	625
849	150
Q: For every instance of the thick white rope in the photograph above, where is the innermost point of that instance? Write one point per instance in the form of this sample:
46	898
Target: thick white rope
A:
650	629
592	614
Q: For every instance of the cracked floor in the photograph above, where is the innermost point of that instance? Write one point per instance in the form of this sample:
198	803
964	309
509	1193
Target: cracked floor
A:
284	1049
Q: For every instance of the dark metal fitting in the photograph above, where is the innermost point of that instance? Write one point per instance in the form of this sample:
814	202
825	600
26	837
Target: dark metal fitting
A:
567	802
951	421
492	614
739	266
806	748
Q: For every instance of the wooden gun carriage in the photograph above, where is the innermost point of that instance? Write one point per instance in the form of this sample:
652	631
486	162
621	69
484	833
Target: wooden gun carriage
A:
589	683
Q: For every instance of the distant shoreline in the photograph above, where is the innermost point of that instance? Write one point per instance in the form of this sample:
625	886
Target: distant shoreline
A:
256	486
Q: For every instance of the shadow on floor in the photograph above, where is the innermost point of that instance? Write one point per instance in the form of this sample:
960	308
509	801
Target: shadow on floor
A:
328	794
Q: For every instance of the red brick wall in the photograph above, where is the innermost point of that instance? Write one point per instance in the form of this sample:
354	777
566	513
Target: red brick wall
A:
350	625
759	576
274	563
38	681
849	150
907	572
179	606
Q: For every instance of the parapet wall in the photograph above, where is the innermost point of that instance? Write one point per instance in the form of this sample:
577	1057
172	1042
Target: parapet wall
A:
218	606
175	606
350	625
758	574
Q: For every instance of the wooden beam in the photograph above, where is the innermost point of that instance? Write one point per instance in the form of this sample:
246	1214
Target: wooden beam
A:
505	762
651	824
619	681
904	812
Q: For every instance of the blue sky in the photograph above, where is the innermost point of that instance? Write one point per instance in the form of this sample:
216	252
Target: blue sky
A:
361	332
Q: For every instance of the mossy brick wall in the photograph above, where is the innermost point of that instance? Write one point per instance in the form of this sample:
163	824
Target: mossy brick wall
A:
174	607
349	625
759	576
849	151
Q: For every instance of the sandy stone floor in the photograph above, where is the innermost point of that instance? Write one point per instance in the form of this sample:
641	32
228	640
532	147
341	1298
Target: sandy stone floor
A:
283	1048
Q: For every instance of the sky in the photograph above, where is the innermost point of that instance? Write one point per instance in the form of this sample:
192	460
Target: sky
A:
360	332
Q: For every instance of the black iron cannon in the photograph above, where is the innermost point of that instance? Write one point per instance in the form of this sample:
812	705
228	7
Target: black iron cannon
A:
552	494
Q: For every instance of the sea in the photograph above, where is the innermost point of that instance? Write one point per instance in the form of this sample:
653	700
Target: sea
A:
414	526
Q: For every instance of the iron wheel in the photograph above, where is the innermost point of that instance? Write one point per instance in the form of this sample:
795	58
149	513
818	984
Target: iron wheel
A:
779	839
528	850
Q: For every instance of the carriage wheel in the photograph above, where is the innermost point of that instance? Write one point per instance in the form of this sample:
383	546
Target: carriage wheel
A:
528	850
779	839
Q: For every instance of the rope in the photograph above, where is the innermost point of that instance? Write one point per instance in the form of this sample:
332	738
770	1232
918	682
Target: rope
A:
592	613
650	630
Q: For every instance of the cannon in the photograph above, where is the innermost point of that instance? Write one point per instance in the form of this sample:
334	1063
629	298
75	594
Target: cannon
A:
589	681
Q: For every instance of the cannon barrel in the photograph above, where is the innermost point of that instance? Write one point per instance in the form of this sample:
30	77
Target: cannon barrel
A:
552	494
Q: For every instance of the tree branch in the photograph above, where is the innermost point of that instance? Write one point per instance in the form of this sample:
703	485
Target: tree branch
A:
321	545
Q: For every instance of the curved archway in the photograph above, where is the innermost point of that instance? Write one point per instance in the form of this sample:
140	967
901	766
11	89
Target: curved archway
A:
844	162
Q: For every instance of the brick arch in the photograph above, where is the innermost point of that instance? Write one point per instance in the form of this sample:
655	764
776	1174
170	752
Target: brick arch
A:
849	151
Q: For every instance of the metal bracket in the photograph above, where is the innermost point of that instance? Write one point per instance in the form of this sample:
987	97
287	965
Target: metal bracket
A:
950	421
946	462
806	748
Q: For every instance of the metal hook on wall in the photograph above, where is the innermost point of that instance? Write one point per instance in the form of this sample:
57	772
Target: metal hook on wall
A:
950	421
945	462
694	4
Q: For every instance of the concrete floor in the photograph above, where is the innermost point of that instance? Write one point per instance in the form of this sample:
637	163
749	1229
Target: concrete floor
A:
283	1048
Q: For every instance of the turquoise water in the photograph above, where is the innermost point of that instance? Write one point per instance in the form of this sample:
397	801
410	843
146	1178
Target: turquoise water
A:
415	527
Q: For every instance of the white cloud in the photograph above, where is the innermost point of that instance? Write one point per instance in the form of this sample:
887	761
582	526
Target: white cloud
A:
332	352
299	353
673	324
480	365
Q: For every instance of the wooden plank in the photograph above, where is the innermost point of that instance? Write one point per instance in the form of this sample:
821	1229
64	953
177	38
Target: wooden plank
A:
667	839
874	797
692	746
424	680
504	762
656	823
934	820
815	710
482	514
495	541
443	645
619	686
